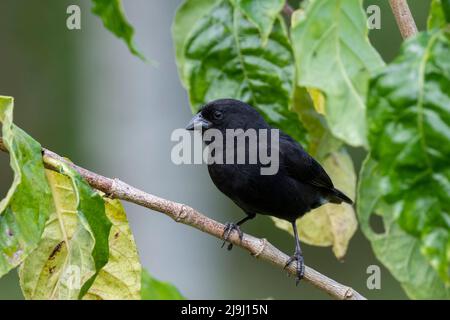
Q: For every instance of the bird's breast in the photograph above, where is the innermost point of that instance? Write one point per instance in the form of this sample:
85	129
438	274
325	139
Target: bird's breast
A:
275	195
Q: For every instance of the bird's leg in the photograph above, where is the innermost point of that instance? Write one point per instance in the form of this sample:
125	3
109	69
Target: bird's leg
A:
298	257
229	227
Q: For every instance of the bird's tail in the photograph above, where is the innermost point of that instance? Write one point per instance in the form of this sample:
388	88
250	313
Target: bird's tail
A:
336	196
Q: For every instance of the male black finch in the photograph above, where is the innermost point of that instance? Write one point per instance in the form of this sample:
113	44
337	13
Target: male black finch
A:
299	185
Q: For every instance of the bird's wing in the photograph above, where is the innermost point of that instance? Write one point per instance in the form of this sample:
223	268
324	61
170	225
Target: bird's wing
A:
301	166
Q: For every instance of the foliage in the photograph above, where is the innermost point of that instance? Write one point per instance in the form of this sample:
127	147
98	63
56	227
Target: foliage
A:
439	16
262	13
113	17
153	289
223	53
405	178
70	252
220	55
333	54
436	19
27	205
70	240
409	135
121	276
396	249
261	72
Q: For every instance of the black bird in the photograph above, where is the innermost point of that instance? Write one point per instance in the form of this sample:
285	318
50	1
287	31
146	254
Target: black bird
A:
299	185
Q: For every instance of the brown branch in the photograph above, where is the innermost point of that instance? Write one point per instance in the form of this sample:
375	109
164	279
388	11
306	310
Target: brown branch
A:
259	248
404	18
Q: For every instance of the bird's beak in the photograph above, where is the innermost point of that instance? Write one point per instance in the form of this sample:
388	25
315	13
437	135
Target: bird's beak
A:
198	122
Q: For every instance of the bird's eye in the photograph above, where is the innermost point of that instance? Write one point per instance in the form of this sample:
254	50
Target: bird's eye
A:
218	115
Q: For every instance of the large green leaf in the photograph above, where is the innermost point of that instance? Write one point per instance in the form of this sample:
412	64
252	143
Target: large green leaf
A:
220	56
436	18
333	54
113	17
409	136
397	250
153	289
74	245
120	278
446	8
186	17
27	205
262	13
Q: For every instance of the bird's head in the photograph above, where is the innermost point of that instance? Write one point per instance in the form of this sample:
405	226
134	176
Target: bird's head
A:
225	114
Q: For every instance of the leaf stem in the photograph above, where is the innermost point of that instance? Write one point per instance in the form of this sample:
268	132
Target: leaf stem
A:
288	11
259	248
404	18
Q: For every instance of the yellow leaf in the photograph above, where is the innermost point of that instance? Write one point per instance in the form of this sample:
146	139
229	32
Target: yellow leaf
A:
120	278
63	261
320	141
318	100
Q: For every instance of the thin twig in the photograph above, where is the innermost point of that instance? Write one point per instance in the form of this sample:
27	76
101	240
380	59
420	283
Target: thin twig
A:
288	11
404	18
259	248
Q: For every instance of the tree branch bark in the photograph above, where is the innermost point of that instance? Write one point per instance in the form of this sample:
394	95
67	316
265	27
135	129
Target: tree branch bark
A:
404	18
259	248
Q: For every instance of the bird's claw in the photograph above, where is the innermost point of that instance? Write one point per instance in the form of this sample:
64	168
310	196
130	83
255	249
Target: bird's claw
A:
229	227
109	195
300	268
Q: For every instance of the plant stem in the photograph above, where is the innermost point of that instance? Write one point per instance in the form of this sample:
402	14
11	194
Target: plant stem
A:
288	11
404	18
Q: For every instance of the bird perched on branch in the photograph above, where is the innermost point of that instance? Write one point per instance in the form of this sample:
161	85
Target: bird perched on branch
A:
298	184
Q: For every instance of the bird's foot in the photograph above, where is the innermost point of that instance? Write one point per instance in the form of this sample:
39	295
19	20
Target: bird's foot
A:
300	268
229	227
109	195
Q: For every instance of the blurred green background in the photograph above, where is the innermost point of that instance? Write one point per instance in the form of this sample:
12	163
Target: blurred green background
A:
83	95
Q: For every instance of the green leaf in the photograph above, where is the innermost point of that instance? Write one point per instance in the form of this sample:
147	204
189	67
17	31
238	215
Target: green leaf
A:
446	9
153	289
222	57
397	250
436	18
320	141
262	13
91	209
331	224
113	17
27	205
333	54
74	245
120	278
187	15
409	136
